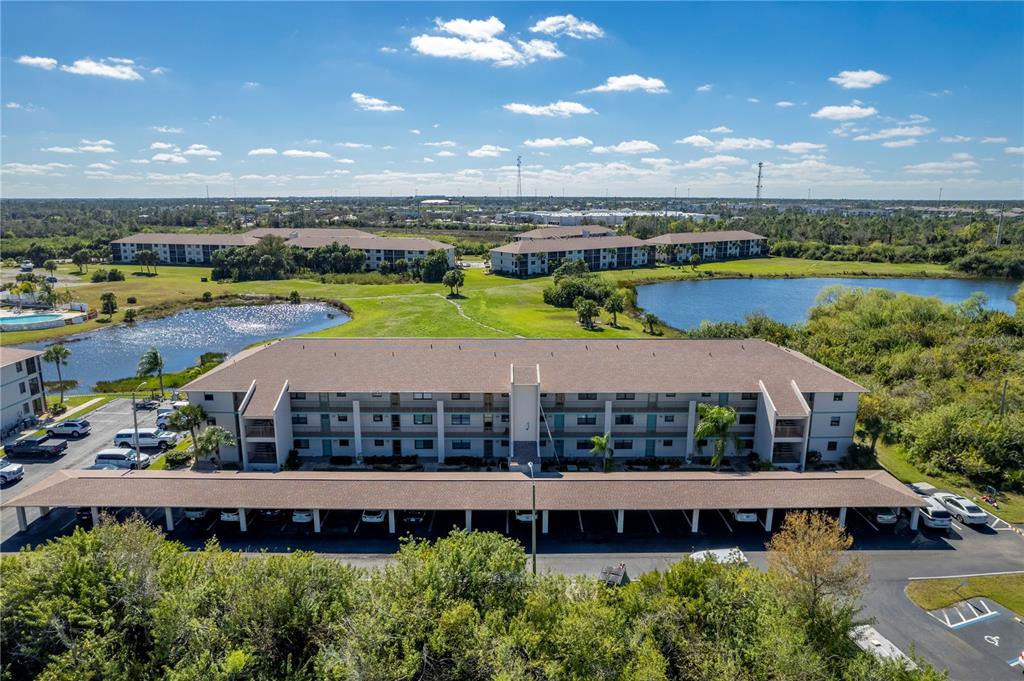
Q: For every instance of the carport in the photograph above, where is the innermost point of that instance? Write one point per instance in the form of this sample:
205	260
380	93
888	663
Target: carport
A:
691	492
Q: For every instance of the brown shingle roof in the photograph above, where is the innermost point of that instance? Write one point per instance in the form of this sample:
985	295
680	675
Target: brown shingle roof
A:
704	237
188	238
564	232
474	491
482	365
303	238
9	355
576	244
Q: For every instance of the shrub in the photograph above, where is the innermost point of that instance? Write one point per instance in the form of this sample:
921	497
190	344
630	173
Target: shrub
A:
115	275
98	276
131	300
292	463
178	457
207	296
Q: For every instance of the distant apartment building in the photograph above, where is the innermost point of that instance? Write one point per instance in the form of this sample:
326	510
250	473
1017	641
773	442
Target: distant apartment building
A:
189	248
21	385
612	218
533	256
564	233
522	398
710	246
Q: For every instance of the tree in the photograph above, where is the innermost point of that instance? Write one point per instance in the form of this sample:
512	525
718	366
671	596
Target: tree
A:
434	265
615	304
190	417
81	260
586	310
650	321
603	448
129	315
294	298
695	260
715	423
669	251
874	415
50	266
453	279
108	304
209	442
58	355
806	562
145	259
152	362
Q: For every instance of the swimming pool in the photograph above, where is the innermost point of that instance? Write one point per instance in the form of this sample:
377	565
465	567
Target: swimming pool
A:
28	319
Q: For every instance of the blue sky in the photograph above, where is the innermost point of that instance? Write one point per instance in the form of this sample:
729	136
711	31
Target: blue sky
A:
873	100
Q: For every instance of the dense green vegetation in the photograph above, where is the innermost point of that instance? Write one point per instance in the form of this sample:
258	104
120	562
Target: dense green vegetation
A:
174	379
120	602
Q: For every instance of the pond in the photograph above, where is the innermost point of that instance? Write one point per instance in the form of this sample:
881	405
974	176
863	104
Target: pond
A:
114	353
685	304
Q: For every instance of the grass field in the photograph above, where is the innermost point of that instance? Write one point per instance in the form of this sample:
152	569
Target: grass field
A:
931	594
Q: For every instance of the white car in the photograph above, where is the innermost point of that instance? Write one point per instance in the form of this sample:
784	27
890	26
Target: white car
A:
231	515
525	516
733	555
72	427
163	414
885	516
124	457
196	513
743	515
10	471
302	516
148	438
935	515
964	510
374	516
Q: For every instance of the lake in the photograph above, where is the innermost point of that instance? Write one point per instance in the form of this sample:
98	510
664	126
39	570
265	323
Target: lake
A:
114	352
685	304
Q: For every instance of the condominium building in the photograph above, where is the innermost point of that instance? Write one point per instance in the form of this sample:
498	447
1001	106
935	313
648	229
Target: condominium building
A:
189	248
527	257
597	217
564	233
710	246
21	385
522	398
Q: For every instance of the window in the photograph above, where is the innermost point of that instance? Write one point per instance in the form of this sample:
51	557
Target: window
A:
378	418
746	444
623	444
584	444
461	444
299	419
670	394
460	419
587	396
208	397
21	387
748	419
832	446
504	443
421	396
422	419
17	367
211	421
589	420
298	396
340	394
666	443
670	418
300	444
504	418
625	396
460	396
834	421
424	444
748	396
705	394
342	418
837	397
376	394
624	420
378	443
343	443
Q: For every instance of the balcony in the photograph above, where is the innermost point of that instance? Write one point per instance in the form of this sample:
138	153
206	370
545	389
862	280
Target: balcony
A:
262	453
788	430
259	431
785	454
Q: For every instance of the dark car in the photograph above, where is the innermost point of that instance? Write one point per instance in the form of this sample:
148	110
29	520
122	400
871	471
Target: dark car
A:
40	445
414	517
83	515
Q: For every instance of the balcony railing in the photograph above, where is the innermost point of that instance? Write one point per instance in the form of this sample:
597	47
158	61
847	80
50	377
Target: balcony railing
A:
259	431
789	431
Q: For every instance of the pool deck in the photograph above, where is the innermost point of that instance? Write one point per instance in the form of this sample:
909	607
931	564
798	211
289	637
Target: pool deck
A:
29	319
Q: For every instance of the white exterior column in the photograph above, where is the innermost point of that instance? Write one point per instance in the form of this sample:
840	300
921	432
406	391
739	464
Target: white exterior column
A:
391	521
357	429
22	518
620	520
544	522
695	521
691	424
169	518
316	520
607	418
242	525
768	519
440	431
914	517
95	515
43	510
842	517
469	520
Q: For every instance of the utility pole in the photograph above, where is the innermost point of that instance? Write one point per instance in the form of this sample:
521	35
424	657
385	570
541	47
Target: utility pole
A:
519	182
757	199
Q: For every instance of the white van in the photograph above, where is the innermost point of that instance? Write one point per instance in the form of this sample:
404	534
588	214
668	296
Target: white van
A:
148	438
123	458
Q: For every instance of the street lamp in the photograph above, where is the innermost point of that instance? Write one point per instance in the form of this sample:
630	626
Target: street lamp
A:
135	415
533	517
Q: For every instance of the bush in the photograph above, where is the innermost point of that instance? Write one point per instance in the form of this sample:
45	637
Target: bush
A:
207	297
292	463
131	300
58	408
115	275
98	276
178	456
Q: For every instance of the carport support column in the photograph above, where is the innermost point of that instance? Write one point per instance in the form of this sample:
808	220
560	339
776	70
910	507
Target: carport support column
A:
842	517
95	515
440	431
544	522
691	424
242	525
43	510
607	418
768	519
695	521
620	520
357	429
169	518
23	519
316	520
469	521
914	517
391	521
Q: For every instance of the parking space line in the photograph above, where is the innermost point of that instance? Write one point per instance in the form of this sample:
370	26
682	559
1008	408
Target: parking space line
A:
210	526
725	520
651	516
506	522
866	519
430	527
356	528
956	527
579	516
686	517
68	524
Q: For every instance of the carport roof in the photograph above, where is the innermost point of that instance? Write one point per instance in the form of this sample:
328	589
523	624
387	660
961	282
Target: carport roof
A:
473	491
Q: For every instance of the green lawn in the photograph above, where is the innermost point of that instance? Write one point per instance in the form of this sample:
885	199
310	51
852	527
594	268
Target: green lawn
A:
74	400
931	594
894	459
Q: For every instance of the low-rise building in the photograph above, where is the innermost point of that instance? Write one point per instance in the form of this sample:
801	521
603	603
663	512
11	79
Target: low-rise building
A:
527	257
522	398
677	247
612	218
21	385
564	233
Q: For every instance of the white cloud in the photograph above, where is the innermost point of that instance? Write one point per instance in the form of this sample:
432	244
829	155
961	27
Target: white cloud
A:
783	104
487	150
442	143
549	142
367	103
719	161
1014	150
753	100
916	118
955	139
897	144
304	153
167	129
858	80
560	108
263	151
734	143
346	161
388	50
721	129
103	146
28	107
957	162
46	63
50	169
445	153
139	161
201	150
628	147
169	158
962	156
101	166
568	25
629	83
696	141
250	85
416	131
706	87
352	145
801	147
890	133
61	150
163	146
993	140
158	70
477	40
844	112
118	69
426	159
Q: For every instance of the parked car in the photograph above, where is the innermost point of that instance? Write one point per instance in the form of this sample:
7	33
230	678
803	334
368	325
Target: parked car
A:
10	471
964	510
302	516
51	279
102	467
376	516
935	515
884	516
72	427
124	457
37	445
525	516
26	266
414	517
270	513
83	515
743	515
196	513
230	515
149	438
733	555
163	414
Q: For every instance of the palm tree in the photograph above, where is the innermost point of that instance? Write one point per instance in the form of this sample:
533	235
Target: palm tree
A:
108	304
189	417
615	304
453	279
209	442
152	362
694	261
715	423
602	447
81	260
586	310
58	355
650	321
